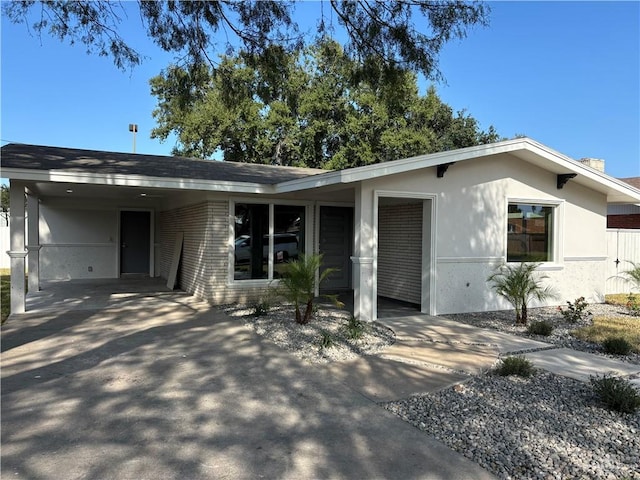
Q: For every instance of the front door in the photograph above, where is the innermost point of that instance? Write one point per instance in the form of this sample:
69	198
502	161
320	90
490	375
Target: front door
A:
336	241
135	242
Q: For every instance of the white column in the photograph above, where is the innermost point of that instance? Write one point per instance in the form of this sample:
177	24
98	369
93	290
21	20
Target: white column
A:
18	251
33	237
364	292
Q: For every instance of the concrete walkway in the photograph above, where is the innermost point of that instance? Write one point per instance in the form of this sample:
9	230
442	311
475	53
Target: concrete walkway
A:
163	387
424	341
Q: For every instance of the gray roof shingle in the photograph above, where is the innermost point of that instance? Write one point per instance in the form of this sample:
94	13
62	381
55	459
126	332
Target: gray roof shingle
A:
37	157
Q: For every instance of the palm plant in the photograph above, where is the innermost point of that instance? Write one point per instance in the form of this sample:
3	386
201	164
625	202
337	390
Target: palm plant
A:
633	275
299	283
518	285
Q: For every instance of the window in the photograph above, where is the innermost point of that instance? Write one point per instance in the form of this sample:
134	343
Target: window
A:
530	233
254	254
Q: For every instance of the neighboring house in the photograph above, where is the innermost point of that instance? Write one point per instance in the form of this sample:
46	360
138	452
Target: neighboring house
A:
427	230
625	216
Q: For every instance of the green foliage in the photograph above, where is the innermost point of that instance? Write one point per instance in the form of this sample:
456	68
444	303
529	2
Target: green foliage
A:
407	34
261	308
617	346
543	327
298	285
326	339
575	311
633	305
519	285
4	204
616	393
632	275
5	294
265	302
318	109
355	328
517	365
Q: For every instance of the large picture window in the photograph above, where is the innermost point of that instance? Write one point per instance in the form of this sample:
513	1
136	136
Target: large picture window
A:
530	233
255	256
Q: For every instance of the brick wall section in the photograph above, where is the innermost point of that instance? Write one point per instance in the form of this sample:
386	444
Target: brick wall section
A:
195	266
400	252
624	221
203	265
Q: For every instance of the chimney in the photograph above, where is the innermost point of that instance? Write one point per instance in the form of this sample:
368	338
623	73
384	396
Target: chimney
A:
596	163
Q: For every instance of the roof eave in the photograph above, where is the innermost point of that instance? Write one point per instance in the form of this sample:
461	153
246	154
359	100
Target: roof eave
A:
125	180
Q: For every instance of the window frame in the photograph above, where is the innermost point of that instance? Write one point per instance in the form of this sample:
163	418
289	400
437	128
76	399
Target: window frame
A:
308	231
556	237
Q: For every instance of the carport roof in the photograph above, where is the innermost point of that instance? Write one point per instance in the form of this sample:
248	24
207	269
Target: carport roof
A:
59	159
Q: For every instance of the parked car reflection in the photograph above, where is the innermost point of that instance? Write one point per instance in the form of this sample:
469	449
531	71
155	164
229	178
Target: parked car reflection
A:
285	247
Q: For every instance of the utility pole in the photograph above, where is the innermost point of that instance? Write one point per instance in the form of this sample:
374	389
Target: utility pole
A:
133	128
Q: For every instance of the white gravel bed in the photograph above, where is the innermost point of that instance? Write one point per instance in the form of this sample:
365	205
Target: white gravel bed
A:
504	321
544	427
303	341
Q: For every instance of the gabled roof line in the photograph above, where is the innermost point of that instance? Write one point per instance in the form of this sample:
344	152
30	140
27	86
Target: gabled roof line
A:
519	145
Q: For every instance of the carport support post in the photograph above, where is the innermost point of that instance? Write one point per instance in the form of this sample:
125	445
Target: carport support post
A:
363	272
33	230
17	252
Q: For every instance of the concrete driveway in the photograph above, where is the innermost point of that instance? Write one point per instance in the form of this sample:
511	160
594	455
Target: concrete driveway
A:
161	387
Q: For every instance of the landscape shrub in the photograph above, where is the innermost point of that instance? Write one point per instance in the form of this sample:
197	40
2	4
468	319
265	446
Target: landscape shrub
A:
355	328
517	365
633	305
617	346
616	393
326	340
543	327
261	308
575	311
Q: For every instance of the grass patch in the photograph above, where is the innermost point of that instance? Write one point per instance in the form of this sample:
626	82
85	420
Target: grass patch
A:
607	327
617	299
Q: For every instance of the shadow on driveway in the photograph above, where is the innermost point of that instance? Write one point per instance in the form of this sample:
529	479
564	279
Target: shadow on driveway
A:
179	390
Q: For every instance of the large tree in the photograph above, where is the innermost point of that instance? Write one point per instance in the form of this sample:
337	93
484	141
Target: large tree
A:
318	108
4	204
402	34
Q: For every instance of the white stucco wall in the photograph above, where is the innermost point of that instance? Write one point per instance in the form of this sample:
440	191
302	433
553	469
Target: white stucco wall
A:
470	229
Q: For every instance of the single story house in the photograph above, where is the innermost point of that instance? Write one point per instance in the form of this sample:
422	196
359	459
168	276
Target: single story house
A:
427	230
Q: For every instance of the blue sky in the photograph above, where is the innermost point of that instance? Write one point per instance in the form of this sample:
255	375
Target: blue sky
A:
564	73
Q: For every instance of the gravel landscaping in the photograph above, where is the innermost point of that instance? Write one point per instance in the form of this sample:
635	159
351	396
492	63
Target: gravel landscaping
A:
561	335
304	341
543	427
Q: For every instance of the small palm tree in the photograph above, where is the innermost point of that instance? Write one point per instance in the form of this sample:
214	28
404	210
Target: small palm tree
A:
632	275
518	285
299	283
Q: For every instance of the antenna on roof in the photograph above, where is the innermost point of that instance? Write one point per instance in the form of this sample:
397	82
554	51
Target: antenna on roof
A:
133	128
